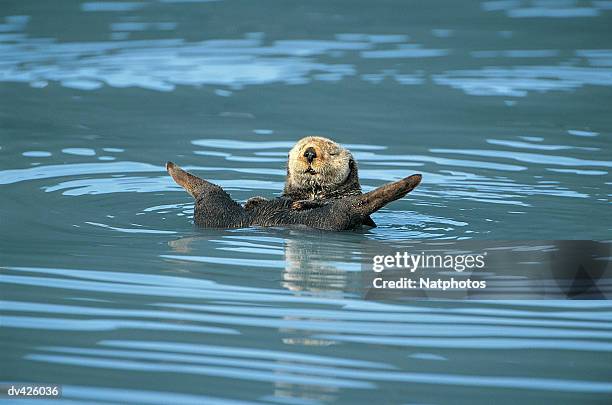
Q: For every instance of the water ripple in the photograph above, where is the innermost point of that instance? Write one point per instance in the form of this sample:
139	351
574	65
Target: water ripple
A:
534	158
518	81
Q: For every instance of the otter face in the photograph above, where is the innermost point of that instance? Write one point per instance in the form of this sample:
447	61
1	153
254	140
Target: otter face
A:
317	163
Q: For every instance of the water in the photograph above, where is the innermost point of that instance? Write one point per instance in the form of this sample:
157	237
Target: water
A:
106	286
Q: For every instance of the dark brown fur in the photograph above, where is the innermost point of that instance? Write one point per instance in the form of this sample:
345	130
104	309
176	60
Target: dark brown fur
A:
215	208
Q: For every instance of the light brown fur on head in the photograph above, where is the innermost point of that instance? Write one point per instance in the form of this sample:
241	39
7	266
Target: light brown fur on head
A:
319	168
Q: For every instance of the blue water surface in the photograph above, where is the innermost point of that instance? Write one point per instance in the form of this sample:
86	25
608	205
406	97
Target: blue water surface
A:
108	288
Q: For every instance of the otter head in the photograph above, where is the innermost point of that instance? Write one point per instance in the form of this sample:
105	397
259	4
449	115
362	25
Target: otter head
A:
318	166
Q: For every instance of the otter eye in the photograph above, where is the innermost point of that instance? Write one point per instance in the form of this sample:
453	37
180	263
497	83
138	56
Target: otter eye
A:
333	154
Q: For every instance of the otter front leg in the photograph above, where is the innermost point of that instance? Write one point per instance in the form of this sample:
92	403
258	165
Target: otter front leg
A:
306	204
254	202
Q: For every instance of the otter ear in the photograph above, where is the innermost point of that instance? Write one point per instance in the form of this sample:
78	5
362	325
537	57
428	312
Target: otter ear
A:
376	199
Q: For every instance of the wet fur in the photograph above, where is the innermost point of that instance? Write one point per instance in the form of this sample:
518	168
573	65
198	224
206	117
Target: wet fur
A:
215	208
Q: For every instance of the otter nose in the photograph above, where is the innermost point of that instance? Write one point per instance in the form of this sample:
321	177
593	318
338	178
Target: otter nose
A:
310	154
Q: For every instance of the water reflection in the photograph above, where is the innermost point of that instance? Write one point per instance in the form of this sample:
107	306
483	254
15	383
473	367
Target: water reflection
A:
310	267
547	8
518	81
500	104
161	63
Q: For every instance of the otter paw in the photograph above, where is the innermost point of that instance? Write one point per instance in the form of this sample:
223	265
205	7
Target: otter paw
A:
297	205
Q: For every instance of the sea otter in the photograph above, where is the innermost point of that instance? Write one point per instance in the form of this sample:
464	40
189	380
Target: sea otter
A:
318	171
214	208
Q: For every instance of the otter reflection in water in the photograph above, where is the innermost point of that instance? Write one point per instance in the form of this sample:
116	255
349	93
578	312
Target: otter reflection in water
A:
319	266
